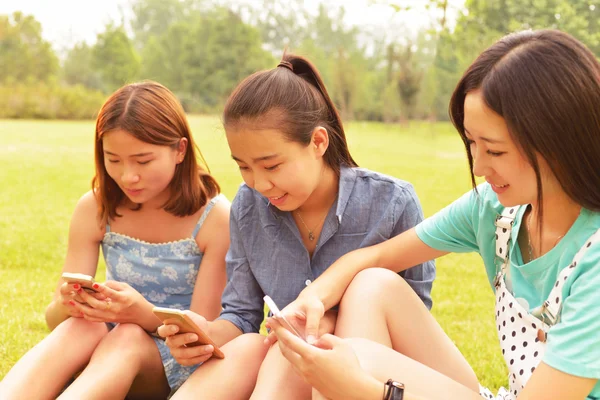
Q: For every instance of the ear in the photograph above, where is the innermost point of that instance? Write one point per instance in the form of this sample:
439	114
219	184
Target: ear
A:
181	149
320	140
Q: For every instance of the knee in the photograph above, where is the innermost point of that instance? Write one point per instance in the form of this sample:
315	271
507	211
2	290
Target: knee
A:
374	283
248	346
127	339
81	330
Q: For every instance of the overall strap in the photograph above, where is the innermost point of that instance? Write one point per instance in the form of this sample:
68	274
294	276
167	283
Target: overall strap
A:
550	310
209	207
504	223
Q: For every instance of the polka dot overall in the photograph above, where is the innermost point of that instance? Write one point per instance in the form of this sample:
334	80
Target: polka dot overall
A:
522	334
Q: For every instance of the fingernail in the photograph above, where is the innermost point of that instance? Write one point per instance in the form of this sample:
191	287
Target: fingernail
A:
71	302
311	339
76	286
79	290
95	286
192	337
208	348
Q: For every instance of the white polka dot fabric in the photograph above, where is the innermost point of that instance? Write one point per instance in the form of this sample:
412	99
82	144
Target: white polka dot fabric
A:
522	335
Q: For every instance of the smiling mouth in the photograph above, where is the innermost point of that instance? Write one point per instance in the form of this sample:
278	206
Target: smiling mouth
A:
276	198
500	186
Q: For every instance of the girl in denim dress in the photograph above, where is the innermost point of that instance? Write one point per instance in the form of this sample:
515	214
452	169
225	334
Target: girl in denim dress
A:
163	229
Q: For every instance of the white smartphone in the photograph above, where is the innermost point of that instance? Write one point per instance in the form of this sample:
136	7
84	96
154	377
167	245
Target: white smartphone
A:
280	317
86	281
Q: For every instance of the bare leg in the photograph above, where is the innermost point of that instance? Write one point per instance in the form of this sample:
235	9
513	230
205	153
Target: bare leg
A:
278	380
126	356
231	378
379	305
45	369
420	380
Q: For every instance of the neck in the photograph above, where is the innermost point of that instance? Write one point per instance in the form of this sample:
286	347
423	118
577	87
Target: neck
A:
559	214
324	194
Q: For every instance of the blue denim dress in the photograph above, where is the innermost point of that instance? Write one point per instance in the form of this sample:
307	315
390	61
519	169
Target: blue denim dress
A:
164	273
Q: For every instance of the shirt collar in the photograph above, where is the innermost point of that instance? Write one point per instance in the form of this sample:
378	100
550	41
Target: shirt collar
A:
345	187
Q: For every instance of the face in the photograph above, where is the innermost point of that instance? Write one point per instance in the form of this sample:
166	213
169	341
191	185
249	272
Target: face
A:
285	172
495	155
142	170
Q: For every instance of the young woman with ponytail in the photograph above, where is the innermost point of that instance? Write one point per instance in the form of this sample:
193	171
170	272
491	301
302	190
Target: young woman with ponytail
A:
304	203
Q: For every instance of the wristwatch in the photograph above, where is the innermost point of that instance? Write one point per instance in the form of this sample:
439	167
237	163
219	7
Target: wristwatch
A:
393	390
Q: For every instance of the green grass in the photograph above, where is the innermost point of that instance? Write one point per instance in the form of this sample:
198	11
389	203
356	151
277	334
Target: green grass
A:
45	166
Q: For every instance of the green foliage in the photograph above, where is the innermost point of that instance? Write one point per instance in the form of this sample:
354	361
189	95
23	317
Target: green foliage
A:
24	55
47	166
49	101
78	68
115	58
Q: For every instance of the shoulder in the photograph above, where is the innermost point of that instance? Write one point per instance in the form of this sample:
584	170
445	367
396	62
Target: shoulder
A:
215	228
378	182
247	200
85	216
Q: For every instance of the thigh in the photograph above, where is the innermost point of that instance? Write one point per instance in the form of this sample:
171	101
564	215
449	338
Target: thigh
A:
278	380
380	306
231	378
420	380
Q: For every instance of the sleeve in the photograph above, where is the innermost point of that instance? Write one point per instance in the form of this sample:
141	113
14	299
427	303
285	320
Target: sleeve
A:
574	343
454	228
242	299
409	214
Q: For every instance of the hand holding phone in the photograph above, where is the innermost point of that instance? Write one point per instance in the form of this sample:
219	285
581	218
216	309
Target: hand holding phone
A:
86	281
280	317
186	325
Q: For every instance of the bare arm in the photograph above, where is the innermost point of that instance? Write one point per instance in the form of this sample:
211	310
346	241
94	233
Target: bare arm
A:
548	383
85	236
397	254
213	239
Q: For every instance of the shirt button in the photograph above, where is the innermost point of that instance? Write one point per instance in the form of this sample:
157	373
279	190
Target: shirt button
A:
307	282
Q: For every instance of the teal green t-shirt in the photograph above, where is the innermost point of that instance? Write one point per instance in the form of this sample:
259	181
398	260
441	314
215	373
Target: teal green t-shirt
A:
574	342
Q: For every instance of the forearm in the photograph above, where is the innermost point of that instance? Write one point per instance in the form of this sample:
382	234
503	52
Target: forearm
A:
222	331
332	284
146	318
55	314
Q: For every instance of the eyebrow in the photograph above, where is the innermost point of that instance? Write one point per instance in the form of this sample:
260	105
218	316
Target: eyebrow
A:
265	158
485	139
133	155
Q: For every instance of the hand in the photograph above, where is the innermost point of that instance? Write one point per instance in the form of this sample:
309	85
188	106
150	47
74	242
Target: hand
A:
326	325
307	310
69	296
328	366
177	342
114	302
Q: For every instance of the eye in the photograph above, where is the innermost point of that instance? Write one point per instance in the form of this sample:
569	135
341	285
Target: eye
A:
113	161
495	153
243	168
273	168
144	162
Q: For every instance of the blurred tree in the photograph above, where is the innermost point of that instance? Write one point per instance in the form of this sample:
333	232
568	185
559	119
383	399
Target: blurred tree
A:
24	55
115	58
78	67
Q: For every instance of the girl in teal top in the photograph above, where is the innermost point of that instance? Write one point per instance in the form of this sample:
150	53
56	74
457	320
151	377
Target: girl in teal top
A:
528	113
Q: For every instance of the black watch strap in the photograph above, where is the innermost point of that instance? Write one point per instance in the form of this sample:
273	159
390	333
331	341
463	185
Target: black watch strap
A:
393	390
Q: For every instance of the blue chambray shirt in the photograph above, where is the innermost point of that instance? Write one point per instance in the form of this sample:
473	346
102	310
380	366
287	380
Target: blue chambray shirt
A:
267	257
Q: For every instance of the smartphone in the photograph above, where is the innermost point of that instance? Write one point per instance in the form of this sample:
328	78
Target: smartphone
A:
186	325
280	317
85	281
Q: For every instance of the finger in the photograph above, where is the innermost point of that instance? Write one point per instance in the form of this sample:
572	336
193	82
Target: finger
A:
90	312
194	361
109	291
116	285
190	353
271	338
93	301
291	341
328	342
180	340
197	318
314	313
167	330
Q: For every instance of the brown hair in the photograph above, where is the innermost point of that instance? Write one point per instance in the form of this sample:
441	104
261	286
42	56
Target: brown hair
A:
151	113
291	98
546	86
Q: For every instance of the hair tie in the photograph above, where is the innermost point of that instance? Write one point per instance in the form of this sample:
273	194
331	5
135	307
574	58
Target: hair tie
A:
286	64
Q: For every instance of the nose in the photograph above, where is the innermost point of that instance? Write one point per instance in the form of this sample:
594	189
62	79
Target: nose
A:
130	175
262	183
479	165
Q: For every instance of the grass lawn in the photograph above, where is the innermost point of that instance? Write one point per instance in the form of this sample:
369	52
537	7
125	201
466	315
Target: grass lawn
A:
45	166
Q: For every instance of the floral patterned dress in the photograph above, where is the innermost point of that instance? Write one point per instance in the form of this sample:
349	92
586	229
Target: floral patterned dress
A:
164	273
